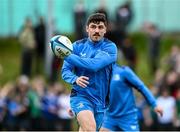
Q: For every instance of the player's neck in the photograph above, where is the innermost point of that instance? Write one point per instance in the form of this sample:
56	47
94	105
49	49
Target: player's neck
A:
95	42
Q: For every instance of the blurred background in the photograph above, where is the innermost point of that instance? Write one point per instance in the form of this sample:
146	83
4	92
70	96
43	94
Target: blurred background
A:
32	94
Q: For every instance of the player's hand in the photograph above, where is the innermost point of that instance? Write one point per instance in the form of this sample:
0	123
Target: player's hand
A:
82	81
158	110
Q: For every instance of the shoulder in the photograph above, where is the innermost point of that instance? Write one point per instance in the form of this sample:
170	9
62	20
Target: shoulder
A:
124	69
107	41
107	44
78	45
81	41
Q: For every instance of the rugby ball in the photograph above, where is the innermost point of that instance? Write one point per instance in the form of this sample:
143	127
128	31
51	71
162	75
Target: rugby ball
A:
61	46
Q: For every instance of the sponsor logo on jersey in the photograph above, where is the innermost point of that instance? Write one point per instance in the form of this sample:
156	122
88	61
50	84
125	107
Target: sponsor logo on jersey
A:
82	54
116	77
80	105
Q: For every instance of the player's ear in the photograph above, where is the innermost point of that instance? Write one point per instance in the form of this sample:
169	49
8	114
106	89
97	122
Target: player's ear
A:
87	28
105	29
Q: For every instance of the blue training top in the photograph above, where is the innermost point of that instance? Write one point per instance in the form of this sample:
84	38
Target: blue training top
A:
122	101
95	61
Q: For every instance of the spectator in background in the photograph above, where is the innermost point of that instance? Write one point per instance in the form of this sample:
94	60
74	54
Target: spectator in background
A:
158	81
154	41
102	9
173	59
22	101
55	67
141	105
168	104
40	34
4	91
27	41
123	17
129	53
35	95
178	110
79	19
172	82
49	108
65	120
17	105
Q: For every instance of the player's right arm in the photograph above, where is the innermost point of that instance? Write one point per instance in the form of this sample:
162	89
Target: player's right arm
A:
104	57
67	73
70	77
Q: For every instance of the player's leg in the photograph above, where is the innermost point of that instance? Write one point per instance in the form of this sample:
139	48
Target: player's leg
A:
129	123
86	120
109	124
84	111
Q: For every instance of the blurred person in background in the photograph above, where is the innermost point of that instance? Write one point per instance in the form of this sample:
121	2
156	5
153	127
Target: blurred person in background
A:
154	41
65	120
40	34
35	95
141	105
177	123
27	41
173	57
168	75
49	107
172	82
129	53
102	9
168	103
79	19
17	105
55	67
146	116
4	91
123	17
158	81
148	120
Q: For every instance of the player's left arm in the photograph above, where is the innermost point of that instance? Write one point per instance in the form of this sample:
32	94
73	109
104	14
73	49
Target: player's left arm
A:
104	57
136	82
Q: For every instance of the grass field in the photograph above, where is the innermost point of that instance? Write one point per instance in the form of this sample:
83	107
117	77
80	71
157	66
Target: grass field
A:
10	53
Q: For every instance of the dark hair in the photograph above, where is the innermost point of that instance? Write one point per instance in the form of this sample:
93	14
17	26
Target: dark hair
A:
96	18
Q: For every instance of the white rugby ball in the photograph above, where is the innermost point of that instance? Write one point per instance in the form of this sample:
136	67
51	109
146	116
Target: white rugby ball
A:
61	46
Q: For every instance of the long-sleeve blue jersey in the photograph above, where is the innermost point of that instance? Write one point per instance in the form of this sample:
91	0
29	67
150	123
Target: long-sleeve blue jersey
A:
122	100
95	61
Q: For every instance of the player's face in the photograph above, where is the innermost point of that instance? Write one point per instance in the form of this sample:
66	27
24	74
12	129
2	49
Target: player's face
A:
96	31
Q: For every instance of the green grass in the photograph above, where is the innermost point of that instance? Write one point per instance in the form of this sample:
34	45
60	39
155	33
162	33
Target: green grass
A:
9	60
